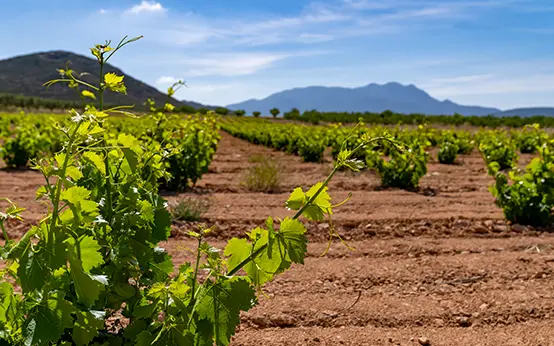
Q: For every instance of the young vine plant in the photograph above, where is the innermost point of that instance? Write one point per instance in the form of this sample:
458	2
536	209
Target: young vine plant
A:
96	255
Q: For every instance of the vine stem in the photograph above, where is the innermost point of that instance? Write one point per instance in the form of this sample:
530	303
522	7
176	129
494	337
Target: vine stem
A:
6	237
296	216
59	185
193	288
262	248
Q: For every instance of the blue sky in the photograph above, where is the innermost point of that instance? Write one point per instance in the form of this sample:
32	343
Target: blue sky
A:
488	52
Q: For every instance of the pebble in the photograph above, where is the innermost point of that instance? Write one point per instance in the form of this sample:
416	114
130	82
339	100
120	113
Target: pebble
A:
519	228
423	341
463	322
500	228
481	230
488	223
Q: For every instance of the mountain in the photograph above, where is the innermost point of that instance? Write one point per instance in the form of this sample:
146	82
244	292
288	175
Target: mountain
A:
26	75
370	98
527	112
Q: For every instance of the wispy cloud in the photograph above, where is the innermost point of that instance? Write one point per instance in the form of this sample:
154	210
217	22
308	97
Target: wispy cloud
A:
147	6
166	81
491	86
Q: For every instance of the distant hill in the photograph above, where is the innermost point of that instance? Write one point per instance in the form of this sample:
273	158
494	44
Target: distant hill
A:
528	112
370	98
25	75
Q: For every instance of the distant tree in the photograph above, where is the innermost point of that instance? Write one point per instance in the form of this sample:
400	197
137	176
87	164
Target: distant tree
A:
222	111
387	114
240	112
293	114
256	114
275	112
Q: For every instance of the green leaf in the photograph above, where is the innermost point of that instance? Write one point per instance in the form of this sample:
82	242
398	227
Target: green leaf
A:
145	338
90	255
162	265
87	287
115	83
78	196
88	94
74	173
237	250
296	200
96	160
292	234
146	211
221	304
6	297
322	201
162	225
86	327
41	191
32	271
46	322
263	267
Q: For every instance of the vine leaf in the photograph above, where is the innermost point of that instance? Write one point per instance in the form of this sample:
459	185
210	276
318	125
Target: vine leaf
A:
314	210
292	237
47	321
86	327
87	287
90	255
221	304
32	270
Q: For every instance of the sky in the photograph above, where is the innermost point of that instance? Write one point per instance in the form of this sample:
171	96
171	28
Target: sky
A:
497	53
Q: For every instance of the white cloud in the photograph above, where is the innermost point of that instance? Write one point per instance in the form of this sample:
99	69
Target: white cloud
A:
460	79
493	86
235	64
166	80
147	6
102	11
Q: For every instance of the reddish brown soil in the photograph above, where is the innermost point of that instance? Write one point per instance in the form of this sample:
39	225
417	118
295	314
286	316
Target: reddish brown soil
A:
440	264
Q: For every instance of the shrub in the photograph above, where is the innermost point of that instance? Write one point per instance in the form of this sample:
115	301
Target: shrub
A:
529	138
189	209
496	147
263	176
256	114
240	112
404	169
528	197
448	152
311	149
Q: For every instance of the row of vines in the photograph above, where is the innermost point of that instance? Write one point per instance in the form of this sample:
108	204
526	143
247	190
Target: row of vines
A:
526	196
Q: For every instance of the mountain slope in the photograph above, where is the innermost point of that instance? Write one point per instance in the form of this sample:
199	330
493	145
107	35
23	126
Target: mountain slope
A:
370	98
528	112
26	74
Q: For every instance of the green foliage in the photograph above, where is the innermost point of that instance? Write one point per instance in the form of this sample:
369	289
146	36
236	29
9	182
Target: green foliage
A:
499	149
404	169
392	118
256	114
221	111
527	197
27	140
448	152
240	112
274	112
311	149
529	138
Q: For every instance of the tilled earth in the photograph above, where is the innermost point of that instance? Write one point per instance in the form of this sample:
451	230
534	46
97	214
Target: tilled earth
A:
439	266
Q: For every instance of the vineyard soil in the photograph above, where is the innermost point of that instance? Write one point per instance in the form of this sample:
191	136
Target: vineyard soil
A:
439	264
